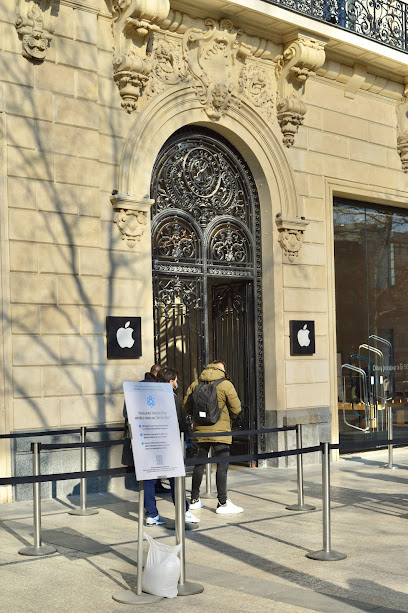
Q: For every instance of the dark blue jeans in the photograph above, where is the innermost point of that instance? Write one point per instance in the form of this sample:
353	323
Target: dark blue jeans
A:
150	497
220	449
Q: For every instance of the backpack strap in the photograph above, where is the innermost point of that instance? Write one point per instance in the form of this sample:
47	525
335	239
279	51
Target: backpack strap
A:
215	383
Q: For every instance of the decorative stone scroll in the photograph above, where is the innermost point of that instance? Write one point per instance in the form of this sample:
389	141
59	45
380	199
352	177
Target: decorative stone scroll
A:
131	216
134	21
291	234
299	61
34	28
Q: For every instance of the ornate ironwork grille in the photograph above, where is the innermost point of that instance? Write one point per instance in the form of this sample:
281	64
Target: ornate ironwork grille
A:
207	264
385	21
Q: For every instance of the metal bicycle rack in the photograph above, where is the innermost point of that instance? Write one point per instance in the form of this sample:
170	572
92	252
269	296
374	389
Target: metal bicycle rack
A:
377	394
361	373
372	388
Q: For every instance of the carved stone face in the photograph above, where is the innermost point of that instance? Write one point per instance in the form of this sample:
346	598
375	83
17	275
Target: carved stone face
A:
219	96
258	84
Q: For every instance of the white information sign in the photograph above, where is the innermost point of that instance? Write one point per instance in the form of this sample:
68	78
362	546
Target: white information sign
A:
153	422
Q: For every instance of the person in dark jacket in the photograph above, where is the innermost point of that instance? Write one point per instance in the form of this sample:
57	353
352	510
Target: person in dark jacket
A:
127	454
230	406
151	376
166	375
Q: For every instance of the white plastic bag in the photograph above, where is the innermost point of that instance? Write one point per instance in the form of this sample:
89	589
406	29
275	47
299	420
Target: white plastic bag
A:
162	570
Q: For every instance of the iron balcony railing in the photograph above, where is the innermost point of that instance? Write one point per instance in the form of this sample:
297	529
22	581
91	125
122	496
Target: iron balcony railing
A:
384	21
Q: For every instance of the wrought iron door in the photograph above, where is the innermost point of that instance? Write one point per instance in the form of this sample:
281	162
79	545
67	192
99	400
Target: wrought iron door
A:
207	264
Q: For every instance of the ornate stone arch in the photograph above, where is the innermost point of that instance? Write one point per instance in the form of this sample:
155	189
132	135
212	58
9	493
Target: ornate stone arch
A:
242	125
245	128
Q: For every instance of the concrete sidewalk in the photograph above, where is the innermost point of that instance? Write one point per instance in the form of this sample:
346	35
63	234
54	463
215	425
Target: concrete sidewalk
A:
251	562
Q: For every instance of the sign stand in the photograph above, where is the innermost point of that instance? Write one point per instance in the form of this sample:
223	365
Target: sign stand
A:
128	596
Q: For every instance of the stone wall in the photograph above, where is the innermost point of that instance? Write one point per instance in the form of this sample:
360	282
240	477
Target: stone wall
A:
75	127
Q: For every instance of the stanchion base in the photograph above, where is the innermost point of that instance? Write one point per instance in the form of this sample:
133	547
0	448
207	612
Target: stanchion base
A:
389	466
188	588
326	556
42	550
171	525
129	597
300	507
208	496
83	512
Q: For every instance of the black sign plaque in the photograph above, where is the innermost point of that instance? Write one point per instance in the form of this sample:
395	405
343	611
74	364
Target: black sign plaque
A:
124	337
302	337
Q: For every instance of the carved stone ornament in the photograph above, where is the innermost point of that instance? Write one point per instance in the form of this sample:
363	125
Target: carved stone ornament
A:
299	61
168	66
291	234
215	58
34	28
291	113
402	128
131	216
402	146
258	87
134	21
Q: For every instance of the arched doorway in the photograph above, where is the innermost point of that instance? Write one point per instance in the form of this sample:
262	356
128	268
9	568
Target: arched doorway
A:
206	249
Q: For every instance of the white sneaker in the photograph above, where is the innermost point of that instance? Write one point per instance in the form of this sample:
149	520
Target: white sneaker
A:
228	507
155	521
191	519
196	504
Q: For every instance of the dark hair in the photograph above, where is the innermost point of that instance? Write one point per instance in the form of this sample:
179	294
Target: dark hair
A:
220	362
156	368
165	375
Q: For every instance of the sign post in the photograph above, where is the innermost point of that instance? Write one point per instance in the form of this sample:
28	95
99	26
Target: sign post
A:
157	453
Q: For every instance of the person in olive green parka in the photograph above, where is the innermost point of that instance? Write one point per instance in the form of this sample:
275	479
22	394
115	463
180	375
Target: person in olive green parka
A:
230	404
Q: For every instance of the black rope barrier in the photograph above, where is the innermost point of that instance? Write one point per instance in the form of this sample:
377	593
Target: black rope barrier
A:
58	432
188	461
79	445
106	429
105	472
240	432
40	433
252	456
130	469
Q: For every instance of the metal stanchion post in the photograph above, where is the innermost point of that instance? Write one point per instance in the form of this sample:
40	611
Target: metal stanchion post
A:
37	549
390	435
82	487
208	470
170	524
185	588
300	506
127	596
326	554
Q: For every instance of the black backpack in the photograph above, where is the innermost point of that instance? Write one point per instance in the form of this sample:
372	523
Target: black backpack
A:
205	403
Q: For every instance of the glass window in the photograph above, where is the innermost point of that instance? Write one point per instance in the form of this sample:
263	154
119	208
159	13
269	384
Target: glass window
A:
371	268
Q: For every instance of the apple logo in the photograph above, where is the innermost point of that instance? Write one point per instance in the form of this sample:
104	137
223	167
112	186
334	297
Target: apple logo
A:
303	337
124	336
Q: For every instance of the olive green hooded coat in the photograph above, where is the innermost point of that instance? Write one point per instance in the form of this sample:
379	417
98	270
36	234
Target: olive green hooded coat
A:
227	399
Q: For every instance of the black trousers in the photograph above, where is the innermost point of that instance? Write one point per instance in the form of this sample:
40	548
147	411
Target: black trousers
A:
219	449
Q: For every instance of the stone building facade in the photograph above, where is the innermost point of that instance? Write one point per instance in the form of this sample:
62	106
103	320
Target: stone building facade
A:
90	93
